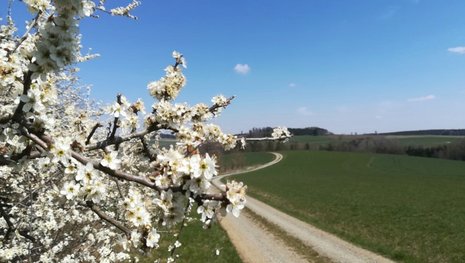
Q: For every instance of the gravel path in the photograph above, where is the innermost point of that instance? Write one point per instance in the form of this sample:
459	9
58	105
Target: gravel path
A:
255	244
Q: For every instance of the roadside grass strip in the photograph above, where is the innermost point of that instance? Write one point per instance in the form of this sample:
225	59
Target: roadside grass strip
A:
409	209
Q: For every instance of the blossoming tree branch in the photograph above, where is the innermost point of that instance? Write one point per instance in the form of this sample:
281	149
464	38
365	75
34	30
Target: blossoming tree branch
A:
80	183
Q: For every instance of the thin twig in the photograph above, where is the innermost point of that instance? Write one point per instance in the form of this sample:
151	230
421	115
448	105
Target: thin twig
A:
108	219
24	37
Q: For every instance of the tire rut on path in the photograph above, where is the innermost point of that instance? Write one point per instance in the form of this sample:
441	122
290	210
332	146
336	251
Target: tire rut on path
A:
255	244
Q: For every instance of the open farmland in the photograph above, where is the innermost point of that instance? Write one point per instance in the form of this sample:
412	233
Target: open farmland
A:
402	140
408	208
427	140
202	245
240	160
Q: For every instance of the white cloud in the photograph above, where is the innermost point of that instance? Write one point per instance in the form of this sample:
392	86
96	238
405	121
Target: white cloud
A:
304	111
243	69
457	50
424	98
292	85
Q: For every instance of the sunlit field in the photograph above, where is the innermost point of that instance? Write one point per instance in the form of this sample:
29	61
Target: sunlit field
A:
199	245
407	140
241	160
203	243
425	140
410	209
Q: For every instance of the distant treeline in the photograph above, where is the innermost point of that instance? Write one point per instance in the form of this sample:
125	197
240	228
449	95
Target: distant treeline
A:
447	132
266	132
373	144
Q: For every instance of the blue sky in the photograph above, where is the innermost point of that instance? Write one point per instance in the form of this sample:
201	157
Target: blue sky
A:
348	66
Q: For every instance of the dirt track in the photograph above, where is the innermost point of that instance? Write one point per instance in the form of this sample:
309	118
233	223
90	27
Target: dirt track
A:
256	244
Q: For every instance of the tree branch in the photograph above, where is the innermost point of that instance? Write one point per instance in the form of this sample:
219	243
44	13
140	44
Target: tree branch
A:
26	86
146	150
94	129
120	174
116	140
265	139
10	225
115	121
108	219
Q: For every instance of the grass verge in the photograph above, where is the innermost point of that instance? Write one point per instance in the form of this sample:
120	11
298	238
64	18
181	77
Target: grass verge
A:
410	209
240	160
198	245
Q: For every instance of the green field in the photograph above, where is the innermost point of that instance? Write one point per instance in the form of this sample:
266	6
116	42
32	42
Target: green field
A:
410	209
198	245
203	243
241	160
407	140
425	140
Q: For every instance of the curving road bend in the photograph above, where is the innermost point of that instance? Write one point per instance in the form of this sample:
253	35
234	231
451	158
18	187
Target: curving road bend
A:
256	244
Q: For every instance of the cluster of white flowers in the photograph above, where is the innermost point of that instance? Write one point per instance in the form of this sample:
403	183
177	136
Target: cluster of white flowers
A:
281	133
168	87
200	133
235	192
73	191
123	10
12	67
59	41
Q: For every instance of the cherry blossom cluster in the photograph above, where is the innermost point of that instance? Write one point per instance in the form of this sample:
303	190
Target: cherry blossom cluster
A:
82	182
280	133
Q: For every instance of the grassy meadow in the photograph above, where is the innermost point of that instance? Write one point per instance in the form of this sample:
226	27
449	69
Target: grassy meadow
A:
240	160
198	245
402	140
204	242
429	140
410	209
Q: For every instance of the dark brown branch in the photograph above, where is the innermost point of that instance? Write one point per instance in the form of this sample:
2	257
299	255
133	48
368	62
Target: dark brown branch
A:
146	150
6	118
115	173
6	161
116	140
121	139
11	227
116	120
26	86
94	129
120	174
108	219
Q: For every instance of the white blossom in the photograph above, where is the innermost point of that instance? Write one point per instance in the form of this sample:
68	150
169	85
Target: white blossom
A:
110	160
152	238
